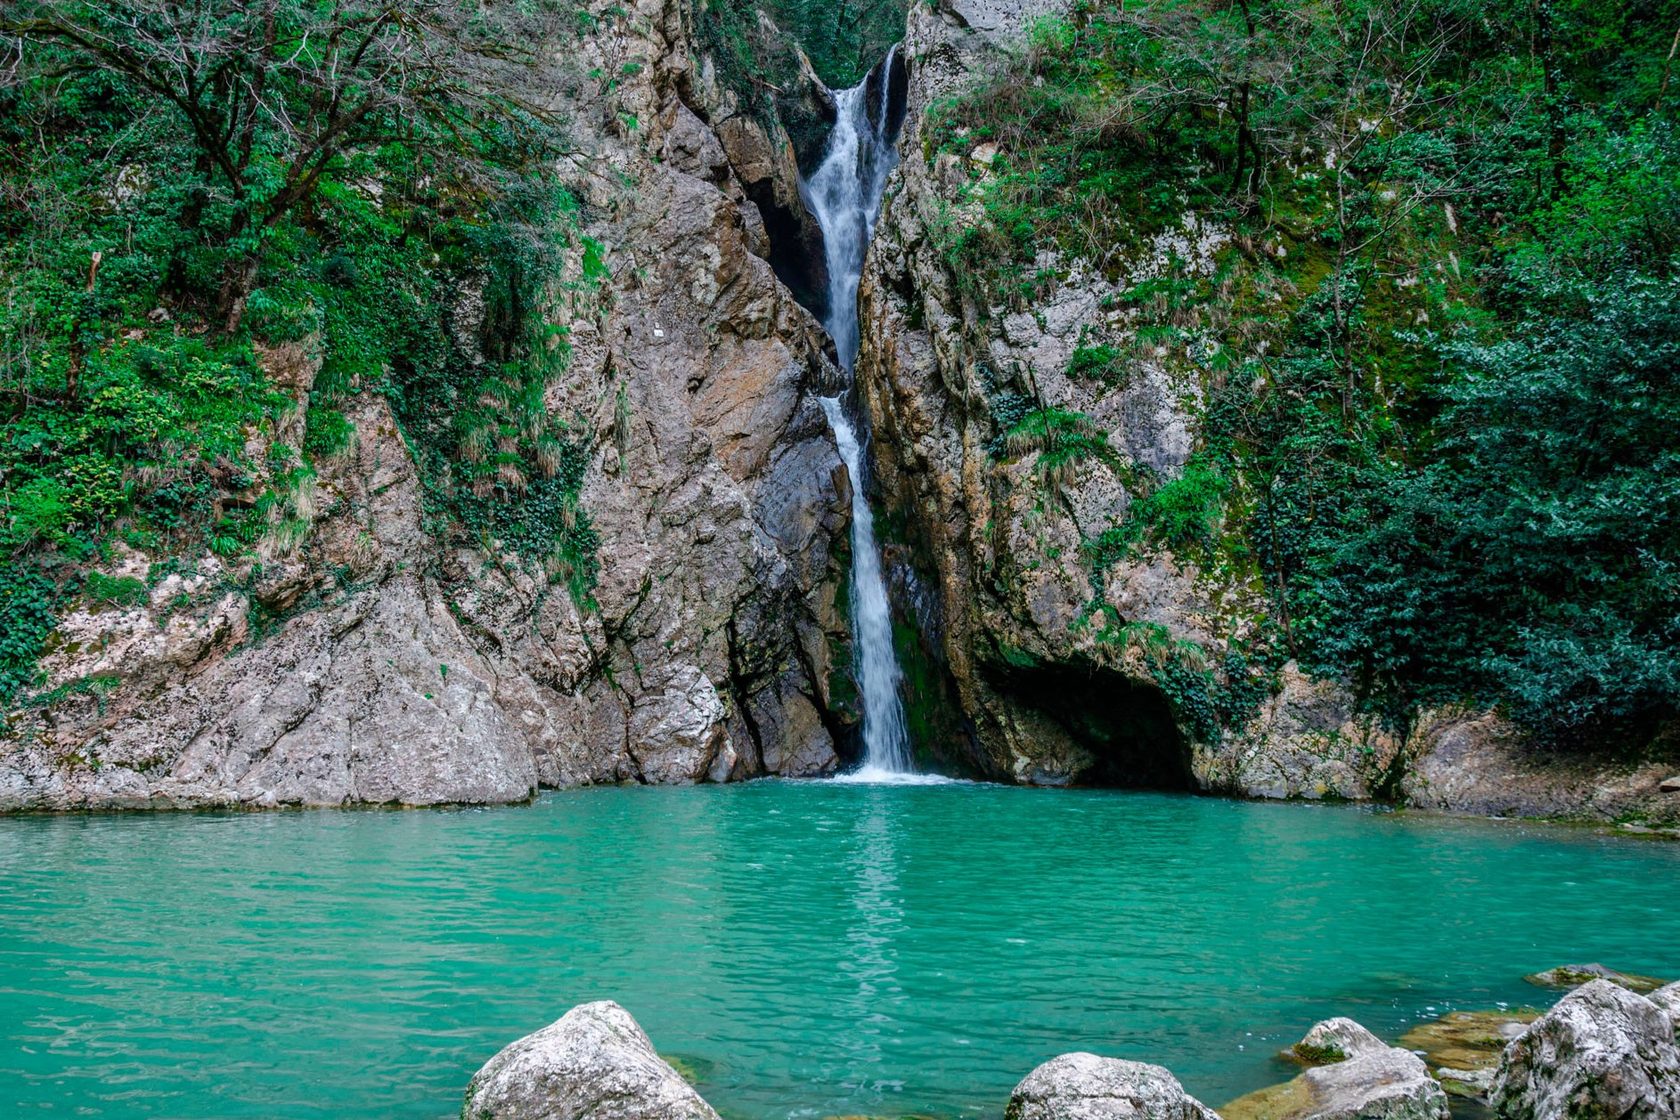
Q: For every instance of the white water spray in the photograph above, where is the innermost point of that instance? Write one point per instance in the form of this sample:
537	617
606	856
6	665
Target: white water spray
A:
844	195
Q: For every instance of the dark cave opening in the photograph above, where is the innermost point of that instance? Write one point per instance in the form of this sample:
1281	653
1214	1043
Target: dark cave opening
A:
796	248
1125	724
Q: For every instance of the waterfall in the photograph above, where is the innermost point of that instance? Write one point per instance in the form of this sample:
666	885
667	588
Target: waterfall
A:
844	195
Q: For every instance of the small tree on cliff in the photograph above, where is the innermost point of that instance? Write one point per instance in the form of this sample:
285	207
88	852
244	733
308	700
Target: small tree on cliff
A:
273	92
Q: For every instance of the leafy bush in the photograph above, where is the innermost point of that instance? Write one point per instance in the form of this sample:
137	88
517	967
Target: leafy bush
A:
28	613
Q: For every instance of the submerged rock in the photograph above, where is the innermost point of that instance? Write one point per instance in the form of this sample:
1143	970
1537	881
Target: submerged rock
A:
594	1063
1574	975
1463	1048
1083	1086
1603	1053
1374	1081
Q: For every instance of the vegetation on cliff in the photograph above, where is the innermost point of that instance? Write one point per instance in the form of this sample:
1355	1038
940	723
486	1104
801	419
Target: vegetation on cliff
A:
1435	358
191	189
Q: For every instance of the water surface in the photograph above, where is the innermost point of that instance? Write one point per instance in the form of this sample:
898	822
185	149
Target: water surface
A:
809	948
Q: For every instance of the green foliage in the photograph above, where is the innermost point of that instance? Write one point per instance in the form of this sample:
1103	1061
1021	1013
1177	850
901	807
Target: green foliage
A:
1318	1053
327	431
1181	516
1059	441
28	613
1101	362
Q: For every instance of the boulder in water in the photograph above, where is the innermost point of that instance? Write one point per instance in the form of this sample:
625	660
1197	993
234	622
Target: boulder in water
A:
1083	1086
1373	1081
1603	1053
1574	975
594	1063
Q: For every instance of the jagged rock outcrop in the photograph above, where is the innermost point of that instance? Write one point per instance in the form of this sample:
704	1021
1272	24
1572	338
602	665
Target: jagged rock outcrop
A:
594	1063
1360	1078
1603	1053
371	662
1082	1086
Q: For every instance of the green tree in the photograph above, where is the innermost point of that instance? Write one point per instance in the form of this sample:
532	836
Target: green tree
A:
272	92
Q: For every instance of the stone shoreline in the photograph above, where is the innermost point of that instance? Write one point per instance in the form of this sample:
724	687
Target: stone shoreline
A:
1604	1052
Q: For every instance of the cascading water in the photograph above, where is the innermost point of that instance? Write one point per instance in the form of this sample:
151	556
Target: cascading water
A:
844	195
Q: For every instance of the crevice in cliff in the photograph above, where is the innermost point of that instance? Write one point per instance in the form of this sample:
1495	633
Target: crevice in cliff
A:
741	687
1126	725
796	252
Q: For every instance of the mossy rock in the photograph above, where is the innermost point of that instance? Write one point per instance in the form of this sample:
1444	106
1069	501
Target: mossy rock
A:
1574	975
1462	1048
1467	1040
1292	1098
1309	1054
690	1068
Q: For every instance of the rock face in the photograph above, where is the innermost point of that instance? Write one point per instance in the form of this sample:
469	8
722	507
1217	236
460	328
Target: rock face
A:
1083	1086
1603	1053
1667	997
592	1064
1373	1081
373	662
1056	671
1047	700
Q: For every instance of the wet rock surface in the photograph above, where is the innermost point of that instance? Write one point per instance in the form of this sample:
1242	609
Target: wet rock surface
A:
1574	975
1462	1048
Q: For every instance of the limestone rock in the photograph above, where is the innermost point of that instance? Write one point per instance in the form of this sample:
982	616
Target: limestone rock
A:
1082	1086
1374	1082
1478	763
1668	999
594	1063
1574	975
1603	1053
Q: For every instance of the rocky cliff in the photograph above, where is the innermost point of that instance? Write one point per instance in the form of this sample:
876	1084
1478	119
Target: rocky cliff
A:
1066	667
374	661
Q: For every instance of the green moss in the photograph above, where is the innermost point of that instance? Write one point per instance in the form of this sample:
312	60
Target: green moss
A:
1314	1054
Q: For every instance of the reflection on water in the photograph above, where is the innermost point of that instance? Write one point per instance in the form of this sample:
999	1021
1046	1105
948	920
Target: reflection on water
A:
872	961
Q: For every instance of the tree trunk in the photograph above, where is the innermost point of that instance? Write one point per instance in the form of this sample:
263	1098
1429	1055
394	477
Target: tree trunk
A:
238	279
1545	44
